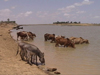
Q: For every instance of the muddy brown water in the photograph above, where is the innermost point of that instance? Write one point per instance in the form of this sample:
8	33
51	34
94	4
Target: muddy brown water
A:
84	59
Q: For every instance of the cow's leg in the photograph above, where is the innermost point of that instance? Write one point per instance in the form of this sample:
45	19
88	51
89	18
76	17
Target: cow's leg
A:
26	38
51	40
56	44
46	38
66	45
21	38
17	37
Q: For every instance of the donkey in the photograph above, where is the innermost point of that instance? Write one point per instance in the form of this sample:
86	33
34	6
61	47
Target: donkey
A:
28	51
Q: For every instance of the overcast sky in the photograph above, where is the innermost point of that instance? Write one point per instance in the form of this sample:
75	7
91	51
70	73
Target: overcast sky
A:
49	11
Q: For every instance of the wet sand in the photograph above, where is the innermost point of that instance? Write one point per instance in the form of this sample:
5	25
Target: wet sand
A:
10	64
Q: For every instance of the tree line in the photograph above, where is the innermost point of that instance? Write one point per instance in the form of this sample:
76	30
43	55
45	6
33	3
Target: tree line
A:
67	22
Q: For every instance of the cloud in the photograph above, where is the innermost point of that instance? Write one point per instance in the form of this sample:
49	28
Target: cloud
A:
5	12
86	0
96	16
6	0
26	14
42	13
73	8
80	12
66	14
70	7
13	7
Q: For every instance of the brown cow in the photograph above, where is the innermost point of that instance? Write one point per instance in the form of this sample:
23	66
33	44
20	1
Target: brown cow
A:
46	36
22	34
25	35
77	40
72	38
58	38
86	41
49	37
64	41
31	35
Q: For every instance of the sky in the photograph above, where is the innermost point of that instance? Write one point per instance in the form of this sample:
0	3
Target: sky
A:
49	11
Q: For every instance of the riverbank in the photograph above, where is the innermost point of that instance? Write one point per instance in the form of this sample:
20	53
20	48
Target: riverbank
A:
10	64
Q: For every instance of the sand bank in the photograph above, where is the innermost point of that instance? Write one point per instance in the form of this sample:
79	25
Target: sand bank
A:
10	64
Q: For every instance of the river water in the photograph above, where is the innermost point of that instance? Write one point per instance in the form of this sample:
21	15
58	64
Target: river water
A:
83	60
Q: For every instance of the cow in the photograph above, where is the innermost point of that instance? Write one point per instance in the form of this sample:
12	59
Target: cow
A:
49	37
64	41
25	35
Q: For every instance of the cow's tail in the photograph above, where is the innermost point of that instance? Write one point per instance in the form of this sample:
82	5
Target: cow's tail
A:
27	36
17	35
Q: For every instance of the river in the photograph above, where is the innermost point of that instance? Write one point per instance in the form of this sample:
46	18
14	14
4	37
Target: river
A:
84	59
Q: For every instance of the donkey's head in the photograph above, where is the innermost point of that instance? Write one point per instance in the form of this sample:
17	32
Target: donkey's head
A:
42	60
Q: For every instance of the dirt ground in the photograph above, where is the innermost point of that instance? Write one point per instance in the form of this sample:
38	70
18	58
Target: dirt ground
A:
10	64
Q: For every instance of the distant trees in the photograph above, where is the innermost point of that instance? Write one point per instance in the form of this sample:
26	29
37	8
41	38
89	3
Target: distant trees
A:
67	22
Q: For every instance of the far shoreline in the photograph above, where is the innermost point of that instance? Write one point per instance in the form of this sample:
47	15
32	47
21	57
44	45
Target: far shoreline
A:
81	24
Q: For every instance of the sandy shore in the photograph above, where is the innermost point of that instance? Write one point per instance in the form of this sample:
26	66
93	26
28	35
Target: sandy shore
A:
10	64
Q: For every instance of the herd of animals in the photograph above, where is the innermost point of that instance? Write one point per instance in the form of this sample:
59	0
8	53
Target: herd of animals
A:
63	41
29	52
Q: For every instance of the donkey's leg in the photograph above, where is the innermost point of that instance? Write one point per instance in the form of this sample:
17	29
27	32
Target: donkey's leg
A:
22	54
36	61
33	58
29	57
